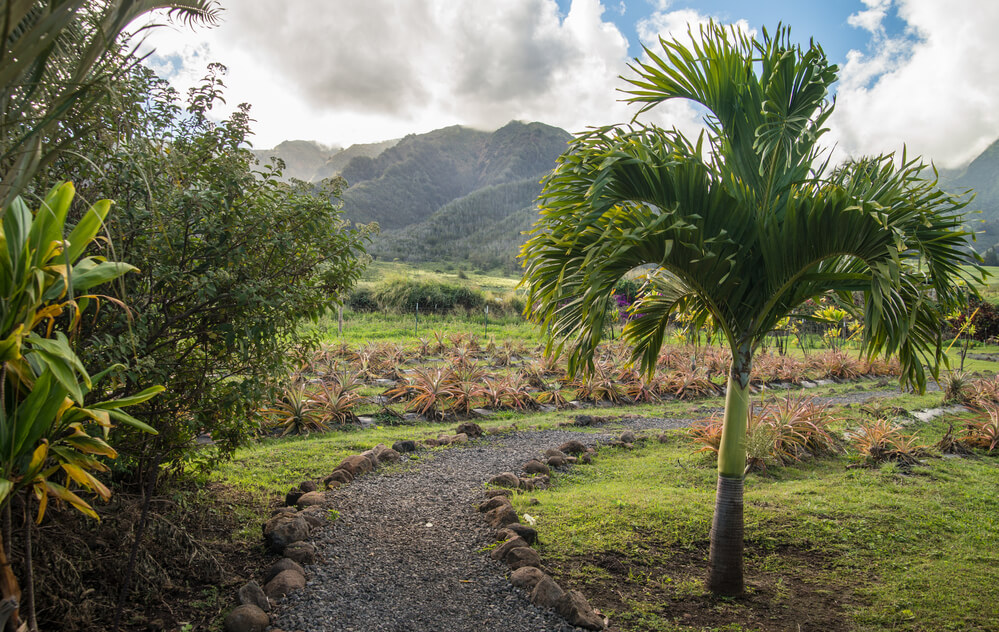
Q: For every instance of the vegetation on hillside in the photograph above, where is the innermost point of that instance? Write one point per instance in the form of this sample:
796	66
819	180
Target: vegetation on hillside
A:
483	229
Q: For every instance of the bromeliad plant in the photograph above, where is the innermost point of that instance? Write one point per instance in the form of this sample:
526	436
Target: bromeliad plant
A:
744	225
52	434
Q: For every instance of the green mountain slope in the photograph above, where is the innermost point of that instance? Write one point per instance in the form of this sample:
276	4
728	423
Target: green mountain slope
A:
483	228
309	161
406	184
982	177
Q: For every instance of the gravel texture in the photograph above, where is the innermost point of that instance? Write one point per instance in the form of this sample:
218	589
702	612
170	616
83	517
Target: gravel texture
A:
406	550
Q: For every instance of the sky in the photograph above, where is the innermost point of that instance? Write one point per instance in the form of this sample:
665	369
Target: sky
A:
919	74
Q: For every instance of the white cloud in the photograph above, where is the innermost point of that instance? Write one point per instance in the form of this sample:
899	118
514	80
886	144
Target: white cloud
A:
934	88
374	69
872	17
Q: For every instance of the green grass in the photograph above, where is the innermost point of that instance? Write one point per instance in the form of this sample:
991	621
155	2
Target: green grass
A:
487	281
360	328
920	550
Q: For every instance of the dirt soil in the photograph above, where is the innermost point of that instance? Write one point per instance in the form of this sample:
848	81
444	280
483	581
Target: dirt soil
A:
668	584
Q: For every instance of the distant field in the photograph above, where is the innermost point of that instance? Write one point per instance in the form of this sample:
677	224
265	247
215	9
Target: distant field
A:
487	281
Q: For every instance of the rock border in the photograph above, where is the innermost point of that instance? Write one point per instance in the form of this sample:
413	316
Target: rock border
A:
516	539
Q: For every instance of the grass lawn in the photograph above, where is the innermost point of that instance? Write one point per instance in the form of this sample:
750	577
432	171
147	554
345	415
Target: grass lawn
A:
828	547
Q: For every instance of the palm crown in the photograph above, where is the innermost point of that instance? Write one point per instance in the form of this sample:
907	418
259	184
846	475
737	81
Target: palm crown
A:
748	227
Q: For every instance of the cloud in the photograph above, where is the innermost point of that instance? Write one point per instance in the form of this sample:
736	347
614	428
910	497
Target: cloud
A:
374	69
871	19
934	87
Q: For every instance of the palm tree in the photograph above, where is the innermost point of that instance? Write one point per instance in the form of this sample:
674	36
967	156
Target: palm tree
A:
744	225
54	61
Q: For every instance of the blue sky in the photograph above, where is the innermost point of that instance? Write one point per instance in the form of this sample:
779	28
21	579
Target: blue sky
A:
917	73
824	21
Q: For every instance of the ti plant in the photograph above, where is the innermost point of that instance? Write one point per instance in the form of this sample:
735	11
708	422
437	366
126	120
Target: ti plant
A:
51	438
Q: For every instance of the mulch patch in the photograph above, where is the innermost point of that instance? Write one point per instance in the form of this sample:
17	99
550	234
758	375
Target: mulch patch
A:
188	569
787	590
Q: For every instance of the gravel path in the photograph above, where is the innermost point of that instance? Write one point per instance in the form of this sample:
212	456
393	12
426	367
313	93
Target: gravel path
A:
406	551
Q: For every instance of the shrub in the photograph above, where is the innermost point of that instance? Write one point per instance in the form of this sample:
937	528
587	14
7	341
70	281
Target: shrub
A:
880	440
403	295
232	261
782	431
362	299
983	434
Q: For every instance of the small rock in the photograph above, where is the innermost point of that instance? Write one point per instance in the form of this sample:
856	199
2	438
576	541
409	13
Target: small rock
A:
527	484
506	479
355	465
311	499
586	458
491	493
283	529
284	564
571	460
500	552
572	447
493	503
504	534
404	446
522	556
470	429
331	484
284	510
526	577
546	593
371	456
389	455
530	534
535	466
557	461
251	594
340	476
663	438
577	611
628	446
584	420
533	501
461	437
314	515
553	452
308	486
291	498
501	516
246	618
483	412
627	437
283	583
301	552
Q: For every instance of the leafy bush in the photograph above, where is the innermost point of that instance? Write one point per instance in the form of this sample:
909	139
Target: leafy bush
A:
362	299
232	260
402	296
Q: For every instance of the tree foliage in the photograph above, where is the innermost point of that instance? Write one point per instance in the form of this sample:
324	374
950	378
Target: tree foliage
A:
231	261
57	59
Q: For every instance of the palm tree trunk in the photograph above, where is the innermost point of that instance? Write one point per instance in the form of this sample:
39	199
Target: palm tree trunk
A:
725	559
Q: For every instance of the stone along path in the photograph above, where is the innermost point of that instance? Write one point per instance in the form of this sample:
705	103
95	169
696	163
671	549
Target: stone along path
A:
406	549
